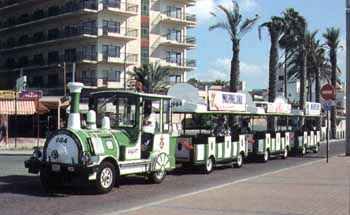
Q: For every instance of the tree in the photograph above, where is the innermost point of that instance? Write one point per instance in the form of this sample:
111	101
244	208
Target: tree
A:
152	76
234	25
219	82
333	44
294	30
275	28
193	81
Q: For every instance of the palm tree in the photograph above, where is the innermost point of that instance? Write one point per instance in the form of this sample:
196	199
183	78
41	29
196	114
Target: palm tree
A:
193	81
294	23
333	44
234	25
152	76
219	82
275	28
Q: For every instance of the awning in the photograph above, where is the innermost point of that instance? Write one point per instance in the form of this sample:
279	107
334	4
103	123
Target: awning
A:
24	107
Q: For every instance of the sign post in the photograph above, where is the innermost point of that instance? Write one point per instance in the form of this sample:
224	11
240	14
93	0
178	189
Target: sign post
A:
328	93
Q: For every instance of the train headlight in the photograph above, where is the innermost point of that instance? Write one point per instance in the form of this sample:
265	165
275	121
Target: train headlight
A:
37	153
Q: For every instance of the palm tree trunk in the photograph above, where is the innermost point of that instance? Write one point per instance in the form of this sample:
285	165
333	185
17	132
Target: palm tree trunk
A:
272	75
317	93
285	74
333	56
303	68
234	76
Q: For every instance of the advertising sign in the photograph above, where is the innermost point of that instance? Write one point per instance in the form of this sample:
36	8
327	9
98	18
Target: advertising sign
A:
312	108
227	101
279	106
7	94
31	94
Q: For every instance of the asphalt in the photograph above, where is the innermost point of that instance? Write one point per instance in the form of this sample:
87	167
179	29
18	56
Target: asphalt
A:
21	193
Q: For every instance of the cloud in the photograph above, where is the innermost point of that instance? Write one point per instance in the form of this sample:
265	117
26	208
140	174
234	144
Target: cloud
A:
203	7
255	76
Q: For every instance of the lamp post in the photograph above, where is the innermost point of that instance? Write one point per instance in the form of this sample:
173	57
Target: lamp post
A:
347	144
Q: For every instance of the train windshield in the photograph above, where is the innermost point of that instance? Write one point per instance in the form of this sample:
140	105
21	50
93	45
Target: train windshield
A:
120	110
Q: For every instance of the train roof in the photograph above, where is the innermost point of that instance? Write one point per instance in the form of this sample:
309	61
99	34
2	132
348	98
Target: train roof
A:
133	93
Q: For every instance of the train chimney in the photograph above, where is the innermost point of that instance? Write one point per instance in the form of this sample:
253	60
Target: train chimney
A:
74	115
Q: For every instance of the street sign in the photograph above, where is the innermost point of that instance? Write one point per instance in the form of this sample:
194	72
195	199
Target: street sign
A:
327	105
328	92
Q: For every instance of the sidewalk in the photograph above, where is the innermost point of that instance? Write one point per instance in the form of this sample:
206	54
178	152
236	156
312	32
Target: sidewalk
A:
315	188
24	146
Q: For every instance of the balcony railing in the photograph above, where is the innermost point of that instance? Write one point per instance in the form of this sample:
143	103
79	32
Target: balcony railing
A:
128	58
181	62
67	8
181	16
68	58
92	31
125	6
128	32
181	39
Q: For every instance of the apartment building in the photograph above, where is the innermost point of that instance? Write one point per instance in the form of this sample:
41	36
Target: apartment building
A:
93	41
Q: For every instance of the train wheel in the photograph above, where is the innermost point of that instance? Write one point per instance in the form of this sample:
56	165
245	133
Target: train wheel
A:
285	153
209	165
239	162
316	149
159	164
303	150
106	176
266	156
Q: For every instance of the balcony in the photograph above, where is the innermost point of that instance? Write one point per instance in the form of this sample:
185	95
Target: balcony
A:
177	63
184	2
174	17
39	62
59	36
121	8
49	14
120	33
123	58
174	40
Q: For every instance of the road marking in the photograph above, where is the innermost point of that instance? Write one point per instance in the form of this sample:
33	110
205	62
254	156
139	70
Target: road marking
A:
215	187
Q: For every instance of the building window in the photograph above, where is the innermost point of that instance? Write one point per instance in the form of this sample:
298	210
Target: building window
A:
110	51
89	53
111	26
38	59
52	80
53	34
88	78
174	12
52	57
174	57
281	78
53	11
70	55
38	37
174	35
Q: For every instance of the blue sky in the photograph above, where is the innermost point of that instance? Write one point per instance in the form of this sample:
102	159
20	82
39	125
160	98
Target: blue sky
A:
213	53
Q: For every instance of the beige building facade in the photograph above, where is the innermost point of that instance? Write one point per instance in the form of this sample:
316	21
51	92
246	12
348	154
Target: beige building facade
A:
92	41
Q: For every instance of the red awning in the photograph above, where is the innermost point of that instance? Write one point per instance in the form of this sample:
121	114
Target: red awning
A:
24	107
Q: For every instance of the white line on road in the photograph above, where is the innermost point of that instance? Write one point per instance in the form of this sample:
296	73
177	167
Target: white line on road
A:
214	188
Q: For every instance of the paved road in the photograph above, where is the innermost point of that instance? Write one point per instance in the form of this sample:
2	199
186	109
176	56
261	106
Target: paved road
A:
21	193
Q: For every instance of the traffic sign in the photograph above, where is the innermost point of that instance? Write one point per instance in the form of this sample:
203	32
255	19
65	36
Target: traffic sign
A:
327	105
328	92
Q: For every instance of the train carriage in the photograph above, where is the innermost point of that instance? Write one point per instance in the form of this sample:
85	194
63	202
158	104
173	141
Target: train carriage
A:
197	144
110	146
308	136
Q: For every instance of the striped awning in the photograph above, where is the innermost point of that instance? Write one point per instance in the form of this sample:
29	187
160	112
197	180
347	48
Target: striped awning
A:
24	107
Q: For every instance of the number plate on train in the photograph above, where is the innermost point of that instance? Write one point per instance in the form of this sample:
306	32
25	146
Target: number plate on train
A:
55	167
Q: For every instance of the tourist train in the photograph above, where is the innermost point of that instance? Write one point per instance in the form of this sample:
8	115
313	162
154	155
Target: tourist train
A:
126	132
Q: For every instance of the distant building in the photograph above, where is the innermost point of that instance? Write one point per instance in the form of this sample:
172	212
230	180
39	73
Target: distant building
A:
103	39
